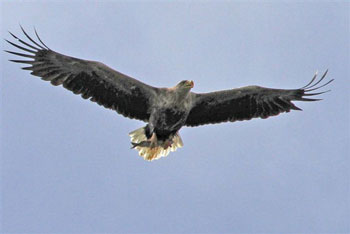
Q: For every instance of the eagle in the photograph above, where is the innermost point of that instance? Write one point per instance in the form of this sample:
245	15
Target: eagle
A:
165	110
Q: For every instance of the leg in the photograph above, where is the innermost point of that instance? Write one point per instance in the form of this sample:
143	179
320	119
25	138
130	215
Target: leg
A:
153	141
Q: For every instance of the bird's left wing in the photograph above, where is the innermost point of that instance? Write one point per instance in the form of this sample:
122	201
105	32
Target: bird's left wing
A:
92	80
248	102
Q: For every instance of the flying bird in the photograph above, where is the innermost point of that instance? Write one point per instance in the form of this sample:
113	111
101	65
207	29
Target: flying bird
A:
165	110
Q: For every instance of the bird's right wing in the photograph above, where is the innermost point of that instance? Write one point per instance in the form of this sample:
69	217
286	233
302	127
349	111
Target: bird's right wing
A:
92	80
248	102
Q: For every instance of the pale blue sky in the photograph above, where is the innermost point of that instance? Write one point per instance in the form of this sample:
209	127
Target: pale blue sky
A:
66	163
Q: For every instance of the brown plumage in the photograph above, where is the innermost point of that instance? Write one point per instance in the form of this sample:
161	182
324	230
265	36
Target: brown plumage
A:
165	110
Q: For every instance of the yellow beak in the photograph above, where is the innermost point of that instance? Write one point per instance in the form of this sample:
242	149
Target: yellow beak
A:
191	83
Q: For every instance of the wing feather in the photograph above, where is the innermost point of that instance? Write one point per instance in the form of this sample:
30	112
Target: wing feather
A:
248	102
92	80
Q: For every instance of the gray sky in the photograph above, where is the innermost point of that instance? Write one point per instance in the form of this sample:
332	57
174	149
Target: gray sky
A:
66	163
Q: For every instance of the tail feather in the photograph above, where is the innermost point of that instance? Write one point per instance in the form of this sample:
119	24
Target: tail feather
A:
140	142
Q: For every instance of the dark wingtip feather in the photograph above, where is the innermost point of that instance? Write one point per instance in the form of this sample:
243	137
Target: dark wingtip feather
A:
27	68
22	61
313	94
13	35
312	84
309	99
37	35
308	90
24	43
20	47
20	54
312	80
312	87
323	76
25	33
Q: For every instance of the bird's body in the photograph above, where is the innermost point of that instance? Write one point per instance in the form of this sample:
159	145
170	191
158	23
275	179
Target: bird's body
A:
167	116
171	111
165	110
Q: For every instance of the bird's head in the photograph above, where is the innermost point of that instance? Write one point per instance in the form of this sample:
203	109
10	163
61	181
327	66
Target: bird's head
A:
185	85
183	88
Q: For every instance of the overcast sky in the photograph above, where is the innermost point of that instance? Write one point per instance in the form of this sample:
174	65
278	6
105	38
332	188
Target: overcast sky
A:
66	162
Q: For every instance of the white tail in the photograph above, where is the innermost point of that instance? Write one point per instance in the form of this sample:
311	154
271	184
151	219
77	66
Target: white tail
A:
161	150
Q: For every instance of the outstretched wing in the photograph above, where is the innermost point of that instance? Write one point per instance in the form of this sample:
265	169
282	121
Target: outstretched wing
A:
248	102
92	80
